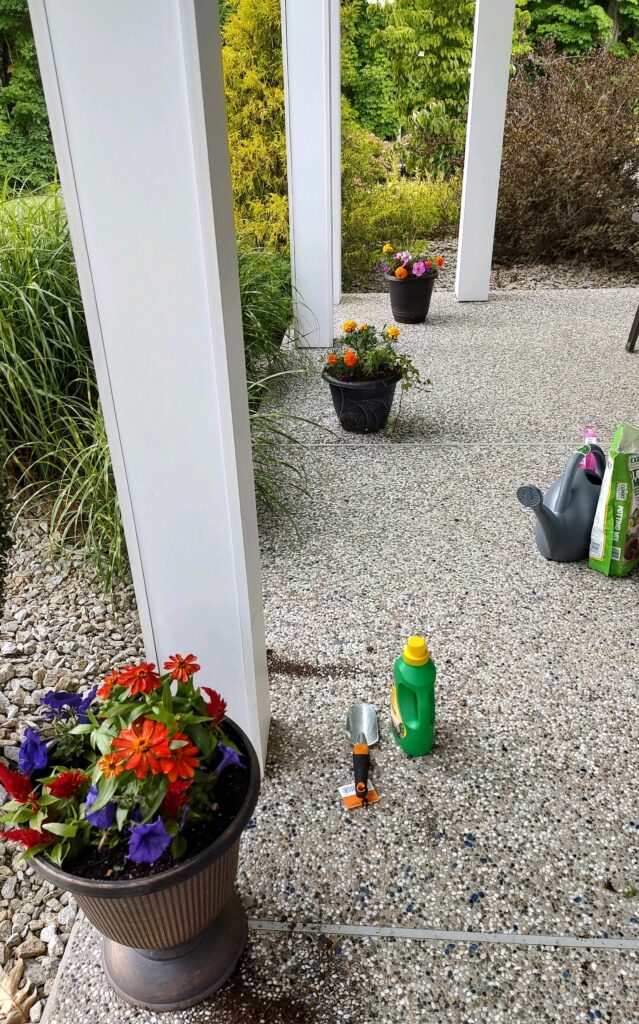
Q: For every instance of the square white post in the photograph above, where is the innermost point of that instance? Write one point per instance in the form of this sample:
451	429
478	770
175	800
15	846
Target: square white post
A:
136	102
494	21
310	42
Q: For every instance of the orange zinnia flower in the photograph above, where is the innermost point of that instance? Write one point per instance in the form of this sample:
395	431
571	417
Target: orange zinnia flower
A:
439	260
108	683
350	357
111	765
141	678
182	668
401	273
332	358
141	747
182	762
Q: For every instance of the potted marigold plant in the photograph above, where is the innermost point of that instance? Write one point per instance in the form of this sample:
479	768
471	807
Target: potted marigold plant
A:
133	798
363	370
410	280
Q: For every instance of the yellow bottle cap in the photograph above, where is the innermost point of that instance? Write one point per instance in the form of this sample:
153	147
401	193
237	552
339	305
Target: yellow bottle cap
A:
416	651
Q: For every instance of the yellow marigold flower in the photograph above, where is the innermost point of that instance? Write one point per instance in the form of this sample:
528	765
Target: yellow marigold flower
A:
387	248
349	326
393	332
363	327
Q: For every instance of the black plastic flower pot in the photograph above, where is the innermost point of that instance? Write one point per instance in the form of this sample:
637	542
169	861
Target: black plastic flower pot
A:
363	406
410	298
173	938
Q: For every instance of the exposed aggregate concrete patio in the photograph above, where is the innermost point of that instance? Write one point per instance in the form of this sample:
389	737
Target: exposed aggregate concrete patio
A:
524	820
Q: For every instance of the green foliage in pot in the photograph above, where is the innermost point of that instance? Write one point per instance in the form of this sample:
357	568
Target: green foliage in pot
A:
363	353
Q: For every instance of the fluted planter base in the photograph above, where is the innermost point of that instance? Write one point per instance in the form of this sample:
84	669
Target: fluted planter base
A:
179	976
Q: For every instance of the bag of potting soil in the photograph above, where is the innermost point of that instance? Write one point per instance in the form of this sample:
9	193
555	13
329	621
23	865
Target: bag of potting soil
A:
614	542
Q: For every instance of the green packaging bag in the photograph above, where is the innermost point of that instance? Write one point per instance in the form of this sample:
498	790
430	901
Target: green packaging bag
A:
614	542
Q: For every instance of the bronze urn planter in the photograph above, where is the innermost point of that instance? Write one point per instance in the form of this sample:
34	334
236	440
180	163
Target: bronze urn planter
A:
173	938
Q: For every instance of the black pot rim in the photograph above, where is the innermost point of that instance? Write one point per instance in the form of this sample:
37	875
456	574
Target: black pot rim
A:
411	279
116	888
360	385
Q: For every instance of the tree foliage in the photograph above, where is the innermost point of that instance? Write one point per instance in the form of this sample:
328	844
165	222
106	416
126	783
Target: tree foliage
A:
577	26
26	150
254	81
367	80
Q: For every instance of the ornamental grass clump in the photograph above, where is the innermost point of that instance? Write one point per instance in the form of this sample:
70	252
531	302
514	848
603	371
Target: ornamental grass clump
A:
363	353
126	774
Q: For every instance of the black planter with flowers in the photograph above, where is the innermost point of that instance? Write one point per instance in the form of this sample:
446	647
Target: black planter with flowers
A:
410	280
362	372
134	799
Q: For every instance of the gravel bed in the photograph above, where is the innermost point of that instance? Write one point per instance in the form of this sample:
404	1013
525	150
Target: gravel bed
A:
58	632
530	276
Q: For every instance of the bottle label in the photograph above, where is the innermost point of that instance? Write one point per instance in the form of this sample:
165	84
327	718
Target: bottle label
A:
396	718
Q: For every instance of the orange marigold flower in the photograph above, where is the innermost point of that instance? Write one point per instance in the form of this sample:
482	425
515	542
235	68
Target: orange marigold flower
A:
331	358
439	260
113	679
349	326
350	357
401	273
182	762
182	669
393	332
141	747
111	765
141	678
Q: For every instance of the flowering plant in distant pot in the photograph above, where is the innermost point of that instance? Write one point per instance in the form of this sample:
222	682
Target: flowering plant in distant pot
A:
403	264
410	278
127	773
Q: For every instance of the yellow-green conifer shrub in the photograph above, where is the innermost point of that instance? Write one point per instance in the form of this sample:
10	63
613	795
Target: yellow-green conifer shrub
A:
254	80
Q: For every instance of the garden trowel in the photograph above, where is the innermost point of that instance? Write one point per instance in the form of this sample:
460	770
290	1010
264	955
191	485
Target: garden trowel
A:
362	732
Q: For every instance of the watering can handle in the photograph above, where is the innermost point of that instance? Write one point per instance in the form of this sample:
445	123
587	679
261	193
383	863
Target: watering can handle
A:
600	458
569	475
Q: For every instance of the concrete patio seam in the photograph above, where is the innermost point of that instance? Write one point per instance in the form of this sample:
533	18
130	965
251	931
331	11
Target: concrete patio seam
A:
441	935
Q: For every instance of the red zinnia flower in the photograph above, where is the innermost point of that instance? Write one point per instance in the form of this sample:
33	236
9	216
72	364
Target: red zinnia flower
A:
29	837
141	747
141	678
182	763
175	797
17	785
182	668
216	708
113	679
66	784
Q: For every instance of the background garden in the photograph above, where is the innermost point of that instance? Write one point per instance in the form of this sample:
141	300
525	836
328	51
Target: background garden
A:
568	188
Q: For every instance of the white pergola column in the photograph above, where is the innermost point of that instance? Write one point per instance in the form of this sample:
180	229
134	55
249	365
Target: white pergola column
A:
494	21
136	101
311	46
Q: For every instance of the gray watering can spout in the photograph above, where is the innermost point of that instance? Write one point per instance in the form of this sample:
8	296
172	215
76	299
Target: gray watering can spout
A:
566	511
547	522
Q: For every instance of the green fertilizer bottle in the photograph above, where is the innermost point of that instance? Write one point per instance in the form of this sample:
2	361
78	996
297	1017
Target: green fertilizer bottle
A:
413	699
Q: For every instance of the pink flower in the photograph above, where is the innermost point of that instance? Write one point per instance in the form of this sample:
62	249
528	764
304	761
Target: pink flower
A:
419	268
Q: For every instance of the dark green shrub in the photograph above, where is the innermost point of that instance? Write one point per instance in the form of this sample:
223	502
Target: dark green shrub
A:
571	158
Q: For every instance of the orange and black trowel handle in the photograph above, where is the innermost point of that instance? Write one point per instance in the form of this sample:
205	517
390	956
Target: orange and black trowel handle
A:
361	765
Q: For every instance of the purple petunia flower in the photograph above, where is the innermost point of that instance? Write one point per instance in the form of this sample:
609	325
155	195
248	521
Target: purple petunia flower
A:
403	255
148	842
419	268
229	756
105	816
385	268
86	702
32	754
57	703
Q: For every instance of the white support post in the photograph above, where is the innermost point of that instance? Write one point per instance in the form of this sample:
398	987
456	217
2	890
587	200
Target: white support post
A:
310	43
494	21
136	103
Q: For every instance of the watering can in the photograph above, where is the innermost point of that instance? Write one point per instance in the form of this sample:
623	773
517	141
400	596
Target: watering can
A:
565	513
